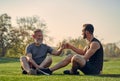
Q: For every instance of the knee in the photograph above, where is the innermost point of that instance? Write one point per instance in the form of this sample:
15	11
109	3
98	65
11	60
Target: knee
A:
76	58
49	59
22	58
79	59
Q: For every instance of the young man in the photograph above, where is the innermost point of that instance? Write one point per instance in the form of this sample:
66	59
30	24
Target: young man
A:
89	60
36	55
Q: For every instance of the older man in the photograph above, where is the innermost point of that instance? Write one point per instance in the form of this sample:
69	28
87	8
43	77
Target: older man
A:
36	55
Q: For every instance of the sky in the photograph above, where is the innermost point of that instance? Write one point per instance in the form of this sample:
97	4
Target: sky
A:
64	18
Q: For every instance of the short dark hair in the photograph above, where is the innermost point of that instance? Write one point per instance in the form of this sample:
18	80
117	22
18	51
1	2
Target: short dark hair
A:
89	27
37	30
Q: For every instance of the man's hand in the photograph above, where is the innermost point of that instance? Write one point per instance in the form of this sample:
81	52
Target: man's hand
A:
67	46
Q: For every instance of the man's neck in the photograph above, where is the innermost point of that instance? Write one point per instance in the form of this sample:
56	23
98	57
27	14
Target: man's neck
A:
37	44
89	38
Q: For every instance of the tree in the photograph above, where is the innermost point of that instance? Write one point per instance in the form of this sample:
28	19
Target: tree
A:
17	44
29	24
13	40
111	50
77	42
22	34
5	26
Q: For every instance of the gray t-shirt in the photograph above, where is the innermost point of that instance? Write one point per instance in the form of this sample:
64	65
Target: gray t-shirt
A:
39	53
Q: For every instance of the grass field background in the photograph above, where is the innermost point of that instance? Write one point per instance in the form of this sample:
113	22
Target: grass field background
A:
10	71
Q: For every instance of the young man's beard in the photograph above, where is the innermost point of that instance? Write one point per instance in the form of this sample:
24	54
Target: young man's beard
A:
84	36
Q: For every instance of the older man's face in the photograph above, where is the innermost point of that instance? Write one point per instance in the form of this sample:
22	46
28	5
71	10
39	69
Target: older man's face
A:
38	37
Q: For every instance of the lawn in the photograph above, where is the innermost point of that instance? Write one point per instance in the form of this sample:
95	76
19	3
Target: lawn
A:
10	71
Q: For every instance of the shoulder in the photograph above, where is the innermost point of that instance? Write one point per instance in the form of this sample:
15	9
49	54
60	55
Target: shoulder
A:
96	40
30	45
45	45
95	45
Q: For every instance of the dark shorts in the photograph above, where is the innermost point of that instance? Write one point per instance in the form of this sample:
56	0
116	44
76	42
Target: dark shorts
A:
89	69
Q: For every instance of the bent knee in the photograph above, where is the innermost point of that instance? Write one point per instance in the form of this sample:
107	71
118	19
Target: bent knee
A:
77	58
49	58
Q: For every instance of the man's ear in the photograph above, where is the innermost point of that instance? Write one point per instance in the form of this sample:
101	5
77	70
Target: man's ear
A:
33	36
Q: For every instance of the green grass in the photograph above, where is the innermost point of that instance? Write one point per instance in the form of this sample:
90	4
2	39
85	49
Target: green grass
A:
10	71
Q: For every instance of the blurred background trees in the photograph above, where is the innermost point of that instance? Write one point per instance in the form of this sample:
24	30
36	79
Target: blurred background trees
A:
13	39
5	39
111	50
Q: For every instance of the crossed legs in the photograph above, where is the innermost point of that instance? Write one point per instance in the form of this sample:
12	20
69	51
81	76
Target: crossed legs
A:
76	60
27	66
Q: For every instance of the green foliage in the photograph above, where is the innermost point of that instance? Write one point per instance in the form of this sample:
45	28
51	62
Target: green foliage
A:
78	42
26	26
5	39
13	40
111	50
10	71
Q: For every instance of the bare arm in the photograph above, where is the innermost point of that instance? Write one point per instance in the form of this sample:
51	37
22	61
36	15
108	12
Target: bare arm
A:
57	52
29	58
94	46
78	51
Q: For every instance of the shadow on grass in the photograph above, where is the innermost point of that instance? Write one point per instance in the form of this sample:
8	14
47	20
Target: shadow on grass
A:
102	75
66	75
8	60
109	75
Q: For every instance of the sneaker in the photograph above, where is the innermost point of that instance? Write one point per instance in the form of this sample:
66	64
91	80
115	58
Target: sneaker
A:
39	72
45	71
24	72
32	72
69	73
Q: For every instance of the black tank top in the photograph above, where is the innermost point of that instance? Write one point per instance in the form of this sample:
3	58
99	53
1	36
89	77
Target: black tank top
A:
97	58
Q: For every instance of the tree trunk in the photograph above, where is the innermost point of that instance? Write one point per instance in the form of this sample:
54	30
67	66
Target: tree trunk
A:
3	52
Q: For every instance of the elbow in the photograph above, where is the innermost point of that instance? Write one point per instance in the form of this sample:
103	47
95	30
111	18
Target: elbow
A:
56	53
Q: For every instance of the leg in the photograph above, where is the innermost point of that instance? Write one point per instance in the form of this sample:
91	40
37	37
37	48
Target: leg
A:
25	64
47	62
63	63
77	61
